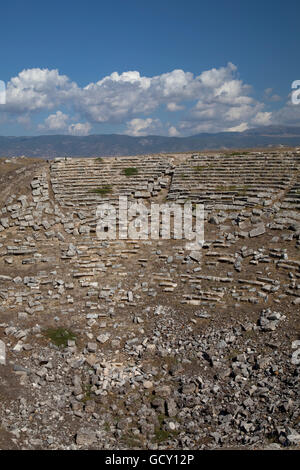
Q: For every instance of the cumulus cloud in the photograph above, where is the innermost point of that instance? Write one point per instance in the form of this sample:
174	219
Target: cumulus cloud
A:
118	97
174	107
81	128
262	119
2	92
139	127
288	115
240	128
55	122
59	122
216	100
38	89
173	132
225	104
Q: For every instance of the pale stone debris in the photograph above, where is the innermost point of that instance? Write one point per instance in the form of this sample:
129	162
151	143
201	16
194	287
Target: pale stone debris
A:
148	311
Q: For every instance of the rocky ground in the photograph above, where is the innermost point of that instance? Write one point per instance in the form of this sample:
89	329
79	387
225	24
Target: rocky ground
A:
142	344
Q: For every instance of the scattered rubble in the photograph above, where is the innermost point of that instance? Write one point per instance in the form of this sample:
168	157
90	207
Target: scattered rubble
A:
122	344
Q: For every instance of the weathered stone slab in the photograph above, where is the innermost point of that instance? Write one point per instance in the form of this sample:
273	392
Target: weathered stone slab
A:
2	353
259	230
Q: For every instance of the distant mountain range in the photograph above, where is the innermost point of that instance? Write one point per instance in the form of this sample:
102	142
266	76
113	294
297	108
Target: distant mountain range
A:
50	146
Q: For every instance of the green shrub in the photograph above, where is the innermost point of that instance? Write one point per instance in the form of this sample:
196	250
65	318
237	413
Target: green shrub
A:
130	171
226	188
59	336
102	190
161	434
236	154
199	168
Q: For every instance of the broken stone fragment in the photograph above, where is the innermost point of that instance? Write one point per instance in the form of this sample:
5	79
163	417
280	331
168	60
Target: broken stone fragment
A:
296	357
4	222
103	338
2	353
86	437
147	384
196	255
5	278
92	347
259	230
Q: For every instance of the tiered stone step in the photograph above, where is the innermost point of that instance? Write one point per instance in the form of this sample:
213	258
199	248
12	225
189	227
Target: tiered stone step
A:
289	214
74	180
292	198
232	182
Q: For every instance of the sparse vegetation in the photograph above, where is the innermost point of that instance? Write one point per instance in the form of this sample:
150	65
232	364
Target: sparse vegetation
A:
243	190
130	171
199	168
87	393
249	334
130	440
209	353
59	336
161	434
226	188
235	154
107	189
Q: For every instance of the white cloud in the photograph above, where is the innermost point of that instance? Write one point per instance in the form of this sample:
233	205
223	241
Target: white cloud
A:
139	127
262	119
119	97
59	122
174	107
55	122
216	100
214	78
288	115
38	89
80	129
173	132
2	92
240	128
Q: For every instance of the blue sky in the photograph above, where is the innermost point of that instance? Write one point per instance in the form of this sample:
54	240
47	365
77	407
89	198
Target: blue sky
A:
136	67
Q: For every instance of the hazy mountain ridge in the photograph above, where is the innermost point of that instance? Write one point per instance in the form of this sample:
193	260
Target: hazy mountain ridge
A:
49	146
